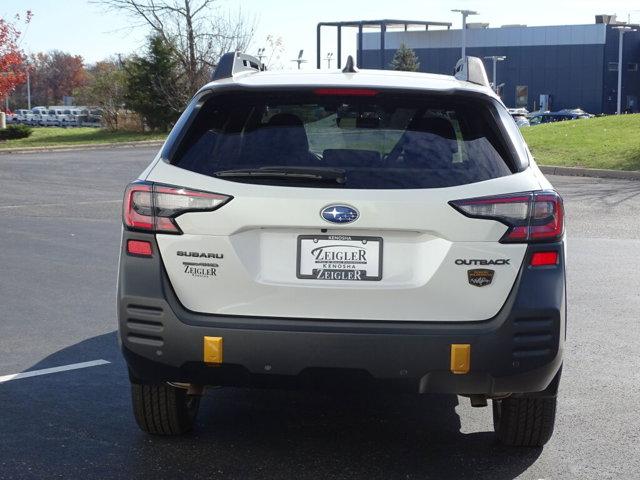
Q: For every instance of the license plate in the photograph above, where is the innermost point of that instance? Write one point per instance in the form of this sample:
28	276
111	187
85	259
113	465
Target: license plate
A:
339	257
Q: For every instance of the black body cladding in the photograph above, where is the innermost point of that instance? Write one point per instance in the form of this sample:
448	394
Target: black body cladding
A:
517	351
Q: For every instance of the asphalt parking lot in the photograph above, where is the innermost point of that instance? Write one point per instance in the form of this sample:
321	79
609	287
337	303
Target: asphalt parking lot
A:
58	259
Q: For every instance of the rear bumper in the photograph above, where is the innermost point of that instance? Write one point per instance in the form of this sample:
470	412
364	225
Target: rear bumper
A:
517	351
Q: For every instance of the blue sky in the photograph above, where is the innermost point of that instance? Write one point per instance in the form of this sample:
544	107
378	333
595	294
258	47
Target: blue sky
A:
87	29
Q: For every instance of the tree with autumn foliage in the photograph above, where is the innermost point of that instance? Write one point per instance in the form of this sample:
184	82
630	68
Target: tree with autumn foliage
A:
54	75
12	69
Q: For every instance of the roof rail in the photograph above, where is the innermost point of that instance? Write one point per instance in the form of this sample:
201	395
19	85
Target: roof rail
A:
232	63
472	71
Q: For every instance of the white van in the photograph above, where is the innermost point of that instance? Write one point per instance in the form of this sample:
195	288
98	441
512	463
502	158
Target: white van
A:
37	116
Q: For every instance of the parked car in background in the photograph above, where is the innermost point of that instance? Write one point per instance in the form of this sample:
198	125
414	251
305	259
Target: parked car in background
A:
540	118
58	116
521	120
519	115
76	117
49	119
11	117
65	119
70	117
80	114
55	116
559	116
37	116
93	118
518	111
21	115
577	112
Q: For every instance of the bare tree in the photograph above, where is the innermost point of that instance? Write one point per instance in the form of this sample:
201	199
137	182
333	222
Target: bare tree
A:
197	31
275	48
105	88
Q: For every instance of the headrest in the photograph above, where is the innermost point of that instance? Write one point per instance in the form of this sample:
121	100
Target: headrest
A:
284	136
285	120
436	125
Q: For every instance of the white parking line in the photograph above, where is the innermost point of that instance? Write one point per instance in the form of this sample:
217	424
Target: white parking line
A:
46	371
92	202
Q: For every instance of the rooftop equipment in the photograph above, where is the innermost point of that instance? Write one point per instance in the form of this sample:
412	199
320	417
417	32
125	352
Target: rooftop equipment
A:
472	70
233	63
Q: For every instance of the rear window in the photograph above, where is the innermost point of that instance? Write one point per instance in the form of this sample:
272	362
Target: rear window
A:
364	139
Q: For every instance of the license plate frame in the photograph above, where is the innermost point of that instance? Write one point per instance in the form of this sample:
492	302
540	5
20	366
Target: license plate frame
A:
350	243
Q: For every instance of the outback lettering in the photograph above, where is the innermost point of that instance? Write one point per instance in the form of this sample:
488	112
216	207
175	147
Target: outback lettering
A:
497	261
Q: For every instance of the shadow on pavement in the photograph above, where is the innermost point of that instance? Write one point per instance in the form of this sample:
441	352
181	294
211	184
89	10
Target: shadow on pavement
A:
78	424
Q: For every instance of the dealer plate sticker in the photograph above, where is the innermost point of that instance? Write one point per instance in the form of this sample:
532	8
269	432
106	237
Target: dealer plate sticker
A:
339	257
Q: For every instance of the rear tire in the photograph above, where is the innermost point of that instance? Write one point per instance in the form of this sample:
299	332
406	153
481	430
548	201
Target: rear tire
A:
161	409
523	421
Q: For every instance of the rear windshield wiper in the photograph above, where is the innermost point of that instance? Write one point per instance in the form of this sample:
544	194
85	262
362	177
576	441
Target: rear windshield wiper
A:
337	175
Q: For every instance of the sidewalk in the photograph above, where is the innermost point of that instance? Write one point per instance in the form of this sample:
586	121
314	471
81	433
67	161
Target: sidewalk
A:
83	146
590	172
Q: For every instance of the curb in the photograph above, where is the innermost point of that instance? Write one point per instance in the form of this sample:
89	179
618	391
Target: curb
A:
83	146
590	172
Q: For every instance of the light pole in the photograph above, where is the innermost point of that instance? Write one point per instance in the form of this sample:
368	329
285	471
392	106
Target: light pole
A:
28	89
328	59
465	14
6	101
496	59
299	60
622	29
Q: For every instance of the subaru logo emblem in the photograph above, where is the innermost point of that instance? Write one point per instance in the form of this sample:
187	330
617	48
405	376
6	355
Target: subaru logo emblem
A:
339	214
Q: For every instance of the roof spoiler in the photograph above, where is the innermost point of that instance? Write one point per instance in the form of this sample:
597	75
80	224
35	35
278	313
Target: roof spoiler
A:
472	71
232	63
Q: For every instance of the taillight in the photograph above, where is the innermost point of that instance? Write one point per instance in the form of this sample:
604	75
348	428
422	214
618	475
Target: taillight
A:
530	216
152	207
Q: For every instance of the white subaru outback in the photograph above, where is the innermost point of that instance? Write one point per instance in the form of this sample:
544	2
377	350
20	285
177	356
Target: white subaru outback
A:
360	228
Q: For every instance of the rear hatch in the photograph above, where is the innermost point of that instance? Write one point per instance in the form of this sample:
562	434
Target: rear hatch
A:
335	204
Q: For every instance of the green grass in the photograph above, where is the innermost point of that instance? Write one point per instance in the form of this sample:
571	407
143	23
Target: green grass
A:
611	142
61	137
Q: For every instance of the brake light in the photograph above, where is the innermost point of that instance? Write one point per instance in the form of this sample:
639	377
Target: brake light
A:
350	92
541	259
530	216
154	208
